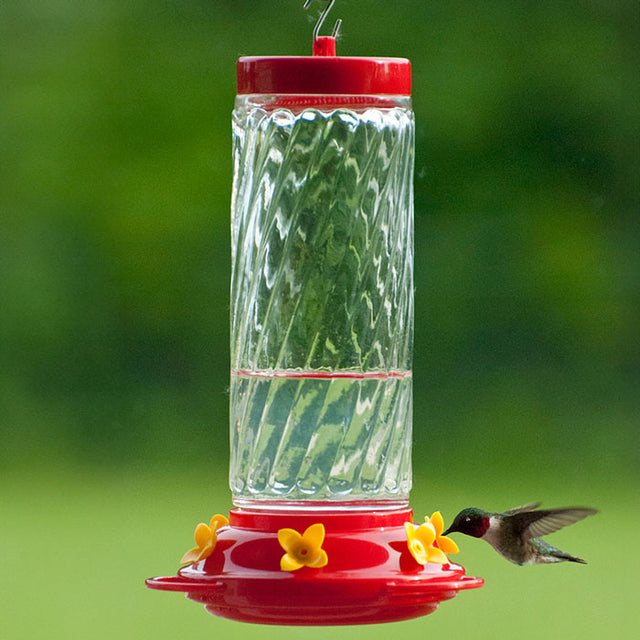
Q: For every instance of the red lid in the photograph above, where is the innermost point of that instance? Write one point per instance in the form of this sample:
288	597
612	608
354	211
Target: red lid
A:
325	75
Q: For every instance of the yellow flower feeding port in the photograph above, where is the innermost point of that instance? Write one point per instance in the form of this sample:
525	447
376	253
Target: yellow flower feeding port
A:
206	539
303	550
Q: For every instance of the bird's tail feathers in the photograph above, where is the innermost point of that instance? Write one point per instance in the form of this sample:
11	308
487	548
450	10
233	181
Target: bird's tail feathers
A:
563	555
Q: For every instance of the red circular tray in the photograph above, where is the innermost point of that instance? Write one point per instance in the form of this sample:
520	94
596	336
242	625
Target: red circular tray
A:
371	576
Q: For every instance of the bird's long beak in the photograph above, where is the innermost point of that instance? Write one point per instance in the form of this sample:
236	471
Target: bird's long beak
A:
447	532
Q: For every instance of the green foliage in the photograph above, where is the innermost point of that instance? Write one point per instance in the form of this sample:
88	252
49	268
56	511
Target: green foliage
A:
114	200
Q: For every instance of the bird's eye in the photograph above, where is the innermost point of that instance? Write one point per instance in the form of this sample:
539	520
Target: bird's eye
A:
467	519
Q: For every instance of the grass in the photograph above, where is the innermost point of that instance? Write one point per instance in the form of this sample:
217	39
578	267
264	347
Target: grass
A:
77	547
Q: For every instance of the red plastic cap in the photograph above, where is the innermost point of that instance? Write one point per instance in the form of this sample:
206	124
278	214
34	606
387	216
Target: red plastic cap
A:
324	75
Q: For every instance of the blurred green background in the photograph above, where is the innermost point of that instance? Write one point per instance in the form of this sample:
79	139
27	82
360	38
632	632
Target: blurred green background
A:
115	179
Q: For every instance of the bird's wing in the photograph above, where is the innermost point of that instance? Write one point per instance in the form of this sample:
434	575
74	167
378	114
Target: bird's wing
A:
535	524
526	507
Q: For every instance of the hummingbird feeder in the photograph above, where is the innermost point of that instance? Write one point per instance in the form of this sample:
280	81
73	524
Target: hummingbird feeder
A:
321	349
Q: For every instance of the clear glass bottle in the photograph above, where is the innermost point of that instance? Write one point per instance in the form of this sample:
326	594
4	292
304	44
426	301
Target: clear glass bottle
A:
321	300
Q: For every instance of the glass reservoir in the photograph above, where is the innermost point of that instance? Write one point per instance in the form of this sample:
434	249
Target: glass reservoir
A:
321	301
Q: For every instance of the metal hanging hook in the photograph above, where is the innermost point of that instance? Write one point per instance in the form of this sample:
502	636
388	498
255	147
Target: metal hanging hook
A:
321	19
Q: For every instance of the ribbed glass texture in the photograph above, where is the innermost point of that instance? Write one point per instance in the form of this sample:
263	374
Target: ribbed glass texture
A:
321	301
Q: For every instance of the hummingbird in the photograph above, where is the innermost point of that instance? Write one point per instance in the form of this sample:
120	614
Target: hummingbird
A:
517	534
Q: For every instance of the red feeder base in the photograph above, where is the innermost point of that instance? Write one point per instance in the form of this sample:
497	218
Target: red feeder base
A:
370	577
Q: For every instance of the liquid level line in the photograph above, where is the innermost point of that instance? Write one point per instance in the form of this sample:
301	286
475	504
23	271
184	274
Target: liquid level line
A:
321	375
